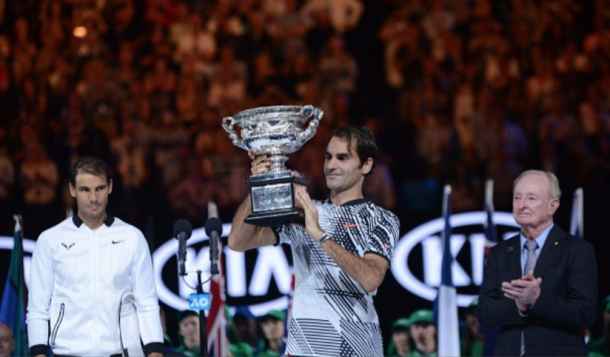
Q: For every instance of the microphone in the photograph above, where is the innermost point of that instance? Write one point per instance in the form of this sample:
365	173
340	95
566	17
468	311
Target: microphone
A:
182	232
213	228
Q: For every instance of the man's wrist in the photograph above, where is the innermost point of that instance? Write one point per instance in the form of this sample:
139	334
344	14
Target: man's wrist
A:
324	238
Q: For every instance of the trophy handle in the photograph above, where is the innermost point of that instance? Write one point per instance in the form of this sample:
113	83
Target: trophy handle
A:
308	133
227	124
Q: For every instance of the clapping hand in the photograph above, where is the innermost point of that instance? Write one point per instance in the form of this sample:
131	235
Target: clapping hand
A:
524	291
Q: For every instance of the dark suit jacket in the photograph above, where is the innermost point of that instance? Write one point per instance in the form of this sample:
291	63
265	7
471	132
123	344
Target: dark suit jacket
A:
567	304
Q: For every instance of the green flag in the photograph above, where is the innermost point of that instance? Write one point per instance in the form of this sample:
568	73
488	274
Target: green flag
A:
12	309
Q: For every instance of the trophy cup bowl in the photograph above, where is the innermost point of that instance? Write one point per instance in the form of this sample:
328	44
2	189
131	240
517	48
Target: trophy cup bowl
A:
276	131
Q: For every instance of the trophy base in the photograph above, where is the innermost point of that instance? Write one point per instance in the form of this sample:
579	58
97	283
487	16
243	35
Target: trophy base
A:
277	218
273	201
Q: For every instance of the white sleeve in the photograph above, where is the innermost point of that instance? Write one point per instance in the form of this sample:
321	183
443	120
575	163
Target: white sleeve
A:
145	293
40	290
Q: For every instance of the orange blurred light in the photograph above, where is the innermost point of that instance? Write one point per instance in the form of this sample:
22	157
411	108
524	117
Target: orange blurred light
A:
80	31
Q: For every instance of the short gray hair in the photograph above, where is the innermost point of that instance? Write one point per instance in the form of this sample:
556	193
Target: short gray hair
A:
553	181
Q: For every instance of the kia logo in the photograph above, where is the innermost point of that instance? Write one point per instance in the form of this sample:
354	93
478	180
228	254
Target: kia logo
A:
429	236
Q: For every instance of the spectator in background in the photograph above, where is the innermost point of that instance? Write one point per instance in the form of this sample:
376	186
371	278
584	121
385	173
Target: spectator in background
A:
188	330
288	31
168	346
129	153
197	44
379	188
272	325
169	140
472	341
246	326
466	189
601	346
191	194
423	334
439	145
39	180
338	69
7	181
400	345
344	14
7	341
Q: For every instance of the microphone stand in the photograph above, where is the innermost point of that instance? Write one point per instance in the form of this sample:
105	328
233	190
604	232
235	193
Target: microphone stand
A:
203	334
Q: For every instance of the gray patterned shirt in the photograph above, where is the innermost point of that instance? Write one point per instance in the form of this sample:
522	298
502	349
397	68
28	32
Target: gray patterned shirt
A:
333	315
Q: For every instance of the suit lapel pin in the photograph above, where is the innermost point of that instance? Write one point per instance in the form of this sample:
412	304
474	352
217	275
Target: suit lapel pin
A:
556	243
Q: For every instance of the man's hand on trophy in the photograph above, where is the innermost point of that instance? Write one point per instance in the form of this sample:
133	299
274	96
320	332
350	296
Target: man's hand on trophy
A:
296	174
312	224
260	164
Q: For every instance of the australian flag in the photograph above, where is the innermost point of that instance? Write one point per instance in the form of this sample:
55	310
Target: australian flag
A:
217	322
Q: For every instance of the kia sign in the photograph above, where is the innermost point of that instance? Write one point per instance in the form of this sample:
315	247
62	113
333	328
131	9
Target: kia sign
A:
429	236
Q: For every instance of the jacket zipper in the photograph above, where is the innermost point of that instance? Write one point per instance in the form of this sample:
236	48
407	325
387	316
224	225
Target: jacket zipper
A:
57	323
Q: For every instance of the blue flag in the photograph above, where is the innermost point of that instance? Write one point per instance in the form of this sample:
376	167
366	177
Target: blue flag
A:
12	309
576	221
448	325
492	334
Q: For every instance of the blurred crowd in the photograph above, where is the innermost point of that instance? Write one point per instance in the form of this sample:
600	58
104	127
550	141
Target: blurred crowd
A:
145	85
475	90
491	88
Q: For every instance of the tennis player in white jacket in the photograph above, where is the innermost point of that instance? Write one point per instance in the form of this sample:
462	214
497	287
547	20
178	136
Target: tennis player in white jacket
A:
91	279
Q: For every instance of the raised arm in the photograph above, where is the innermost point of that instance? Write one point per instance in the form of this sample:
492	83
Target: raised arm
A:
369	271
245	236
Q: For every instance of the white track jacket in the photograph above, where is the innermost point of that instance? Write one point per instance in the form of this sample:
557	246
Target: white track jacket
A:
77	279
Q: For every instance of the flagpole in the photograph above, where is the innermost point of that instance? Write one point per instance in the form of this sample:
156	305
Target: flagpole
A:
576	221
447	323
490	334
203	333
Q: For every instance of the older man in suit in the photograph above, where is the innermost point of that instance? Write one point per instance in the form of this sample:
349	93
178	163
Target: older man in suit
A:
540	286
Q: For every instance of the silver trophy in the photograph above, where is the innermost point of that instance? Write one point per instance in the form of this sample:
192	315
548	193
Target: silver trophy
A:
277	131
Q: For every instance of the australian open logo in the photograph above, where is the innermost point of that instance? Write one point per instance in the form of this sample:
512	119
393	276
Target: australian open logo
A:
416	264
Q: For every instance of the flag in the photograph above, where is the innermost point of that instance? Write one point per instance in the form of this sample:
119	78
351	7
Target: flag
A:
448	326
492	334
576	221
288	314
217	320
491	235
12	309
